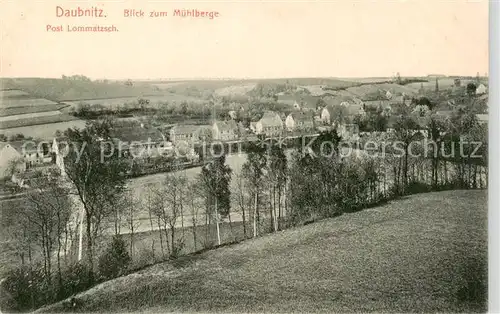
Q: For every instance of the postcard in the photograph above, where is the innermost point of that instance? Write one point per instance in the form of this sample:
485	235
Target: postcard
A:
244	156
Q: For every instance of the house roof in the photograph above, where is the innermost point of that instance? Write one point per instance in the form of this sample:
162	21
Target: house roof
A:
226	125
482	117
21	146
185	128
377	103
349	110
137	134
303	100
302	116
336	101
271	118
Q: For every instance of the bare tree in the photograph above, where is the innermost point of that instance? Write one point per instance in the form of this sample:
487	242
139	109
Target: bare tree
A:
174	191
97	181
48	211
129	204
194	204
241	198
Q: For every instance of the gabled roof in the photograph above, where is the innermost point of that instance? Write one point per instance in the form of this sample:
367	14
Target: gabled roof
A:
137	134
185	129
3	144
336	101
351	109
302	116
271	118
226	125
307	101
26	146
377	103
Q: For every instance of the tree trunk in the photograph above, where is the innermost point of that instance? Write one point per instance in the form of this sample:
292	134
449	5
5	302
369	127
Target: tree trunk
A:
152	230
271	215
59	245
217	222
231	225
30	259
165	229
194	233
244	218
172	235
279	208
255	216
90	253
161	238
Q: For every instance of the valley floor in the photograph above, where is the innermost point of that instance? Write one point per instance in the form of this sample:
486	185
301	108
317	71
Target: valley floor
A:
422	253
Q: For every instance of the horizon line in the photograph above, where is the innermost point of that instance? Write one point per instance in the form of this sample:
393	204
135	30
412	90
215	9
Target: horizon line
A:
207	78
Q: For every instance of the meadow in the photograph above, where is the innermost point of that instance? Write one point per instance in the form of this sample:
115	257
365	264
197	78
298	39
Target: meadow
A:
421	253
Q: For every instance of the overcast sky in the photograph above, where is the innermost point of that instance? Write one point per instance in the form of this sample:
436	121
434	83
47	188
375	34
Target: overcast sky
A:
249	39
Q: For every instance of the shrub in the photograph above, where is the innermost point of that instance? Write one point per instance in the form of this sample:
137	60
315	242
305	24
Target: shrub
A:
75	279
23	289
177	248
115	260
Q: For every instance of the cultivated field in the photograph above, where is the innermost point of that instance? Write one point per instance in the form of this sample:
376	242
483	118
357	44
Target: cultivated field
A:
30	102
60	90
29	110
234	90
12	93
42	131
12	119
423	253
444	83
363	90
56	118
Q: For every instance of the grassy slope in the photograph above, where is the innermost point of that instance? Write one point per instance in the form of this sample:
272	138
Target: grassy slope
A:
417	254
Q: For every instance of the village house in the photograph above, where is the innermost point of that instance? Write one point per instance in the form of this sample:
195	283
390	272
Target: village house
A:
270	124
341	110
225	130
299	102
33	153
482	118
11	161
187	133
383	105
139	140
481	89
300	120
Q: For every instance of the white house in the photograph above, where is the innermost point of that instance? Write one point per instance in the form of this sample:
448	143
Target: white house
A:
185	133
225	130
270	124
481	89
340	109
10	157
299	121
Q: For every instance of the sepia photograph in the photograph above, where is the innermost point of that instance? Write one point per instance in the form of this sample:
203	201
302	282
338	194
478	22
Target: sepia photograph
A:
244	156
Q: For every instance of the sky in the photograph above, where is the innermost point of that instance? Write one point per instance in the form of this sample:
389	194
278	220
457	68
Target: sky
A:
249	39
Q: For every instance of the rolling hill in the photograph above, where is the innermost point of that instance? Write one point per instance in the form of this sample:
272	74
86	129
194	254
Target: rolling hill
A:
65	89
423	253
